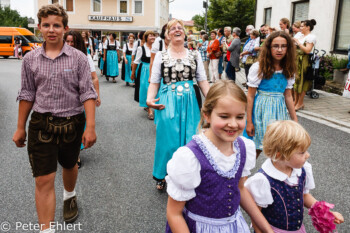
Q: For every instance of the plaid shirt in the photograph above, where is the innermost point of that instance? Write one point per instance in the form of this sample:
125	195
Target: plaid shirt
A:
59	86
203	51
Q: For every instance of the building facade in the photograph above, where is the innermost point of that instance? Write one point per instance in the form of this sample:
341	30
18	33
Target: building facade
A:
332	16
189	25
119	16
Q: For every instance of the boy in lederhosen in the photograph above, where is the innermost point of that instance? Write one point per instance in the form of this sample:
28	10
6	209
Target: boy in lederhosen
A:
56	85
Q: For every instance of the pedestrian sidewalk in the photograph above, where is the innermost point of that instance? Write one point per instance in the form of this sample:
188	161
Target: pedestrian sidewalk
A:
329	109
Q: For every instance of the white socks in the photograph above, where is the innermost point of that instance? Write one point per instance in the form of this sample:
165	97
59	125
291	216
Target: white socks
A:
67	195
48	230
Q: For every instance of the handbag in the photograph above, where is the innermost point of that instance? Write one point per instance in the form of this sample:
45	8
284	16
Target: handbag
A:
346	92
309	75
250	60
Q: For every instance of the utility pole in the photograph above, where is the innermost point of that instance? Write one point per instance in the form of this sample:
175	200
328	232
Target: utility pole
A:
205	5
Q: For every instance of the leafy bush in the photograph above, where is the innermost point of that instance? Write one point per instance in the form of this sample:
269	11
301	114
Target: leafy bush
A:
326	68
339	63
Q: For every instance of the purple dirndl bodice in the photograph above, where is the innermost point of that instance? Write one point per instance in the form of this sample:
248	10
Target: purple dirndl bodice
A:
286	211
217	196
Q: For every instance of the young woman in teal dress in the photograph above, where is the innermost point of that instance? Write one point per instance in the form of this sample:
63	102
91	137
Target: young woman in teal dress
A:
177	115
127	53
270	83
101	51
110	58
143	58
135	75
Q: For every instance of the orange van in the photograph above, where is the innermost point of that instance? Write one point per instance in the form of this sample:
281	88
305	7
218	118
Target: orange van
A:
7	40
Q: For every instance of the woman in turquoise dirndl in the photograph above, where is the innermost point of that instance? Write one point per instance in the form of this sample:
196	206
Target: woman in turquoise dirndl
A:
143	58
101	51
135	75
127	52
270	83
111	69
178	114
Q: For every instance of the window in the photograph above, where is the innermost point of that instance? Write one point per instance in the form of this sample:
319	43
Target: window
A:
267	16
55	1
5	39
69	5
138	6
123	6
342	35
96	5
300	11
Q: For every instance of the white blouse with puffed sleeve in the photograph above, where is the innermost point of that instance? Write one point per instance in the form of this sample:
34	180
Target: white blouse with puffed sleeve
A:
157	64
259	186
254	80
139	54
184	168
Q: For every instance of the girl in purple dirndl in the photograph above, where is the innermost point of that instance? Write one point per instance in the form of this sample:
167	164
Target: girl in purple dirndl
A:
206	177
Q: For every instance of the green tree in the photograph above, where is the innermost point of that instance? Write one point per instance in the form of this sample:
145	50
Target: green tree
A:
199	22
11	18
234	13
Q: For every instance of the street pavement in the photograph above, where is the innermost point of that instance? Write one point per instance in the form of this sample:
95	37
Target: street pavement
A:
115	189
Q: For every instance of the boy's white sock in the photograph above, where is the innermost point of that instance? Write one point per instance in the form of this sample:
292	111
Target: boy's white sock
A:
48	230
67	195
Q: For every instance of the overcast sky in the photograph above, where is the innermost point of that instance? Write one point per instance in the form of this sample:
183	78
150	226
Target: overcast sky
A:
186	9
181	9
24	7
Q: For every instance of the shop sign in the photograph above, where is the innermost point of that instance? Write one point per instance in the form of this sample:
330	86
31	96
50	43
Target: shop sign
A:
110	18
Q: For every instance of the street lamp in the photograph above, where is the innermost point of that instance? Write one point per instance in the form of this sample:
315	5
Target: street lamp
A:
205	5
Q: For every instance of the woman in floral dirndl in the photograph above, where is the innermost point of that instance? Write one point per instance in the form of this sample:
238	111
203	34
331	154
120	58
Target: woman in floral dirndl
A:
178	113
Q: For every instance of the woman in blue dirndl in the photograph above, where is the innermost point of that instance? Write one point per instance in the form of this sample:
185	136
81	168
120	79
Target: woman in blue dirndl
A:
143	58
101	52
178	114
135	75
110	58
127	52
270	82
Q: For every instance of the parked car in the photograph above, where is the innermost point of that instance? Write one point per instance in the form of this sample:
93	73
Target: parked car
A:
7	40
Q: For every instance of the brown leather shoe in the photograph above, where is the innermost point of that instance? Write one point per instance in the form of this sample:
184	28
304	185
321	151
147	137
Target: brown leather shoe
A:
70	210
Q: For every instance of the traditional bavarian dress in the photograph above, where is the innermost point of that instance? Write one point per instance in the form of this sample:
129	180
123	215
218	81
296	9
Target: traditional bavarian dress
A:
177	123
215	207
111	68
269	102
137	73
143	75
126	71
100	60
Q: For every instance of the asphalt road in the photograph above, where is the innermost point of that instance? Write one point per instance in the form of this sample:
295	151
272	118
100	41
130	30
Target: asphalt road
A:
115	189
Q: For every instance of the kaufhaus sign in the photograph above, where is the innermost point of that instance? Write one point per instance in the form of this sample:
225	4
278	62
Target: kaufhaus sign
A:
110	18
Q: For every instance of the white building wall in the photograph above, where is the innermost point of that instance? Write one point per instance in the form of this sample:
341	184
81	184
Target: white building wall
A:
323	11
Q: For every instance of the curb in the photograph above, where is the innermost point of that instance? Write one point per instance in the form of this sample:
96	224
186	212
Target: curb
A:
328	121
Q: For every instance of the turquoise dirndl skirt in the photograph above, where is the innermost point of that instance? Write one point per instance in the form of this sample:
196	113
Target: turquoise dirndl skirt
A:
175	125
268	107
127	68
102	63
112	63
144	84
